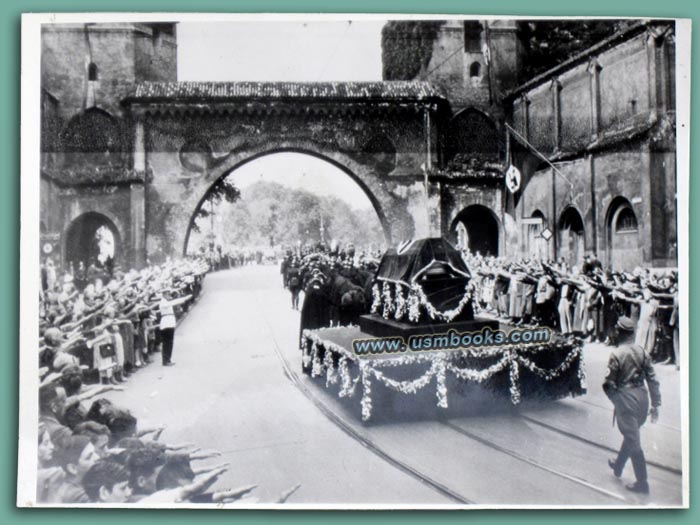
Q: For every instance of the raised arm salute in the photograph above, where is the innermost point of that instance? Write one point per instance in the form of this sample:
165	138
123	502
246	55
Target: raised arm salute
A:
168	322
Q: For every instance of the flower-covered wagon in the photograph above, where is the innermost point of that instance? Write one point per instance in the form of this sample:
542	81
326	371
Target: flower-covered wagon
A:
422	334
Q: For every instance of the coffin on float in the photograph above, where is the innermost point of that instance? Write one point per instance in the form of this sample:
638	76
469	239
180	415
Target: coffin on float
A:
421	287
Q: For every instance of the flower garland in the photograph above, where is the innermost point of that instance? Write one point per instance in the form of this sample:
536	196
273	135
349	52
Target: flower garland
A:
548	375
413	306
376	299
316	365
366	401
435	314
581	373
387	301
439	365
441	373
406	387
514	378
331	372
400	303
479	376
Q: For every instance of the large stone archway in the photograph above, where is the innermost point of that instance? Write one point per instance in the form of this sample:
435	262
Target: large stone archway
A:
189	135
391	218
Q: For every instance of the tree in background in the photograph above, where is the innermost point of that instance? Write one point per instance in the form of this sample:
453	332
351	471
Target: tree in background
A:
223	190
268	211
548	43
407	45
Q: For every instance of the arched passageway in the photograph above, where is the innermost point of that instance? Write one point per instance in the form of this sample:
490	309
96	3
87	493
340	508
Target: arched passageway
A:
92	239
571	236
476	229
286	199
624	249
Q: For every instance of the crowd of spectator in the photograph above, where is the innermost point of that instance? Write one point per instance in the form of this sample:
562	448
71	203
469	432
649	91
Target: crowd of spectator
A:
93	335
583	301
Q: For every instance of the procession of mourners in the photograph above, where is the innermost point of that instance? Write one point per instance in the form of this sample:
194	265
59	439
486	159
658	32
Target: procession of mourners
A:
584	301
98	327
635	313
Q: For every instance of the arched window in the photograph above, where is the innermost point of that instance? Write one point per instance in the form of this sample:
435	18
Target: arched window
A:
626	221
92	72
475	70
624	250
571	236
536	247
92	239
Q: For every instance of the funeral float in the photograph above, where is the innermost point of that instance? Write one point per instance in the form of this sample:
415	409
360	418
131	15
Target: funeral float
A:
422	334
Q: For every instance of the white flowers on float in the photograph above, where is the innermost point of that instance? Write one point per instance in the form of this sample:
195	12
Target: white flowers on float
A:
410	307
440	364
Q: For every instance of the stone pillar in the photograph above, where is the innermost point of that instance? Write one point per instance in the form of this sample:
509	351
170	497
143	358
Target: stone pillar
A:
525	102
138	197
139	156
555	88
137	211
652	74
594	72
594	206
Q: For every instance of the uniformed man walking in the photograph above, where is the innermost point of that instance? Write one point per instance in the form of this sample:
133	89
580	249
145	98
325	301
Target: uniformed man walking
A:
629	373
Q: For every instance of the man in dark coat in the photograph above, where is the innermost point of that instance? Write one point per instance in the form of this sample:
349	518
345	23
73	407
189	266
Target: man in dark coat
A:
347	300
293	283
315	312
629	373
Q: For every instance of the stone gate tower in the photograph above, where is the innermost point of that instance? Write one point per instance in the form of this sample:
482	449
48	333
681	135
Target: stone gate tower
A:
87	178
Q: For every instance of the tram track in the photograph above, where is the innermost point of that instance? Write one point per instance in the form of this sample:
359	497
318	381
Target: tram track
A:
601	446
532	462
416	474
454	494
451	488
366	442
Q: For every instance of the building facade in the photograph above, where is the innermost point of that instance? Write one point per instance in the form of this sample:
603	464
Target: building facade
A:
604	119
90	192
122	149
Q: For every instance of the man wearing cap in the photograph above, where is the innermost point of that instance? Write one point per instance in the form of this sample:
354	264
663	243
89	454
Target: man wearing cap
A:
629	368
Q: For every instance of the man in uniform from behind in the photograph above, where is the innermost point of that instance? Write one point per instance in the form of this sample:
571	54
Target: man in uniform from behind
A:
629	373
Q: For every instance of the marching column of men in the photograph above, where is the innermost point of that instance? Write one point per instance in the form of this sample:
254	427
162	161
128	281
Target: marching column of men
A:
337	284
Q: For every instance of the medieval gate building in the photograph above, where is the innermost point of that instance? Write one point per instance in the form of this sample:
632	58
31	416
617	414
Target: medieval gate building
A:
129	153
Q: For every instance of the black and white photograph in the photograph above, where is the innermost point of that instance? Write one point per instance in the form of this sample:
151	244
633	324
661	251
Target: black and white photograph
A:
354	262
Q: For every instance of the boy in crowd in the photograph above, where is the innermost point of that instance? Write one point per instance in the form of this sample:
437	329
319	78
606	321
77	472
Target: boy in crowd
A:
107	482
76	456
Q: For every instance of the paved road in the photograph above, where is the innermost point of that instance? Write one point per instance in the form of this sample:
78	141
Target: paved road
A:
237	388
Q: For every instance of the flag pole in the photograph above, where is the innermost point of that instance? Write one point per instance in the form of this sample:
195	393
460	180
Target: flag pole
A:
539	154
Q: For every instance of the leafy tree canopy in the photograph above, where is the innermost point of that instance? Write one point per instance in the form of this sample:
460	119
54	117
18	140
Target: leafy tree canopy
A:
548	43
